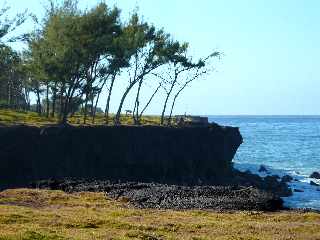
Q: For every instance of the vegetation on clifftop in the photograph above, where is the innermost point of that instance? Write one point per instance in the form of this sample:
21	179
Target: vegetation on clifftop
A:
10	117
75	56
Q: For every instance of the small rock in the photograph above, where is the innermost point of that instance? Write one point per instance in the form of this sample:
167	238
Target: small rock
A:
287	178
262	169
315	175
298	190
313	183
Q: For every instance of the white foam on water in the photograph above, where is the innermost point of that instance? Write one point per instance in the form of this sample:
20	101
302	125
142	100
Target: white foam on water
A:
309	198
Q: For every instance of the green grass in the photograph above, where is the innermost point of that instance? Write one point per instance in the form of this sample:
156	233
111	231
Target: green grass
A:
42	214
14	117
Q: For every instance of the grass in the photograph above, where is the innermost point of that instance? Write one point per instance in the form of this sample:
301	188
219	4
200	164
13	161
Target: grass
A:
14	117
41	214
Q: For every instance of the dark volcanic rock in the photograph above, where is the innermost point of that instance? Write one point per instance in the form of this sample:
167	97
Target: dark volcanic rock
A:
163	196
186	155
262	169
286	178
269	183
315	175
298	190
313	183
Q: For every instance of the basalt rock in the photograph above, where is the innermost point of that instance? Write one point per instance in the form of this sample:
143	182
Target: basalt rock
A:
286	178
268	183
186	155
312	183
164	196
315	175
298	190
262	168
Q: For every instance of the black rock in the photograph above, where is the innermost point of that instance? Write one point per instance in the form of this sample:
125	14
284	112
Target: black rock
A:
313	183
262	169
269	183
165	196
298	190
286	178
315	175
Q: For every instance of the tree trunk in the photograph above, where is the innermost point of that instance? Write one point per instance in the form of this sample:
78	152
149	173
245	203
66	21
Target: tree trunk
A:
91	107
172	106
166	101
47	100
136	118
66	109
106	112
85	110
38	102
117	117
61	102
95	107
150	99
54	96
174	100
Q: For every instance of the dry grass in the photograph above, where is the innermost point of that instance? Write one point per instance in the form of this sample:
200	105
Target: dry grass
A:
11	117
39	214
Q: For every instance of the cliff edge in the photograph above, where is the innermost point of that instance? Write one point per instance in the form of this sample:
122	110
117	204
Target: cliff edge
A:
188	155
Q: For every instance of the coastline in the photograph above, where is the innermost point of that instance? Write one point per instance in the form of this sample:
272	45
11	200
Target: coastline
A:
307	198
286	145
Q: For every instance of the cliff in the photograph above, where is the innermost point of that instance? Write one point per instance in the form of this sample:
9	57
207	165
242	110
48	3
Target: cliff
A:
189	155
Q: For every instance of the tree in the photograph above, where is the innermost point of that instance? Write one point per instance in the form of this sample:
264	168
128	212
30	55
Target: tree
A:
99	28
12	79
146	50
77	46
177	65
191	73
8	26
36	65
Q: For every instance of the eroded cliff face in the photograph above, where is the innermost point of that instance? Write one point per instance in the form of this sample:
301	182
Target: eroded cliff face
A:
191	155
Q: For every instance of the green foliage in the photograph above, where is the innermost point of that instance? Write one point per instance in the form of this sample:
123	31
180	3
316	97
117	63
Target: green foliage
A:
8	26
75	55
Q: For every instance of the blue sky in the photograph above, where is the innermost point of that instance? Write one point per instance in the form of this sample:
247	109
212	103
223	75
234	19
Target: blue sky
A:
271	52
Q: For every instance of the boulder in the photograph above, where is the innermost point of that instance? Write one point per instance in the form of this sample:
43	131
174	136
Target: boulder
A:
298	190
315	175
286	178
269	183
312	183
262	169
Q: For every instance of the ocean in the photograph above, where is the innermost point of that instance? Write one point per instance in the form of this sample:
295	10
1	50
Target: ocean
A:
285	145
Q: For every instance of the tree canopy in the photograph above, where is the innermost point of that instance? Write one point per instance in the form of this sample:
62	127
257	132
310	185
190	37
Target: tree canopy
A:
75	56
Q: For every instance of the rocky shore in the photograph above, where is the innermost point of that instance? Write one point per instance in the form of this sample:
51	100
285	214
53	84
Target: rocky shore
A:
148	166
244	191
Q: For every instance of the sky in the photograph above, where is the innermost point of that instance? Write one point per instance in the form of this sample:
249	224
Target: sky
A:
271	48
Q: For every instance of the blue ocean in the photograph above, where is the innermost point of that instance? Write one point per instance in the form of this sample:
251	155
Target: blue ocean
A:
286	145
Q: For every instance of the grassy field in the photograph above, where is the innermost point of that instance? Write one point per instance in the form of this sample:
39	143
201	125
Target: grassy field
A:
40	214
11	117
